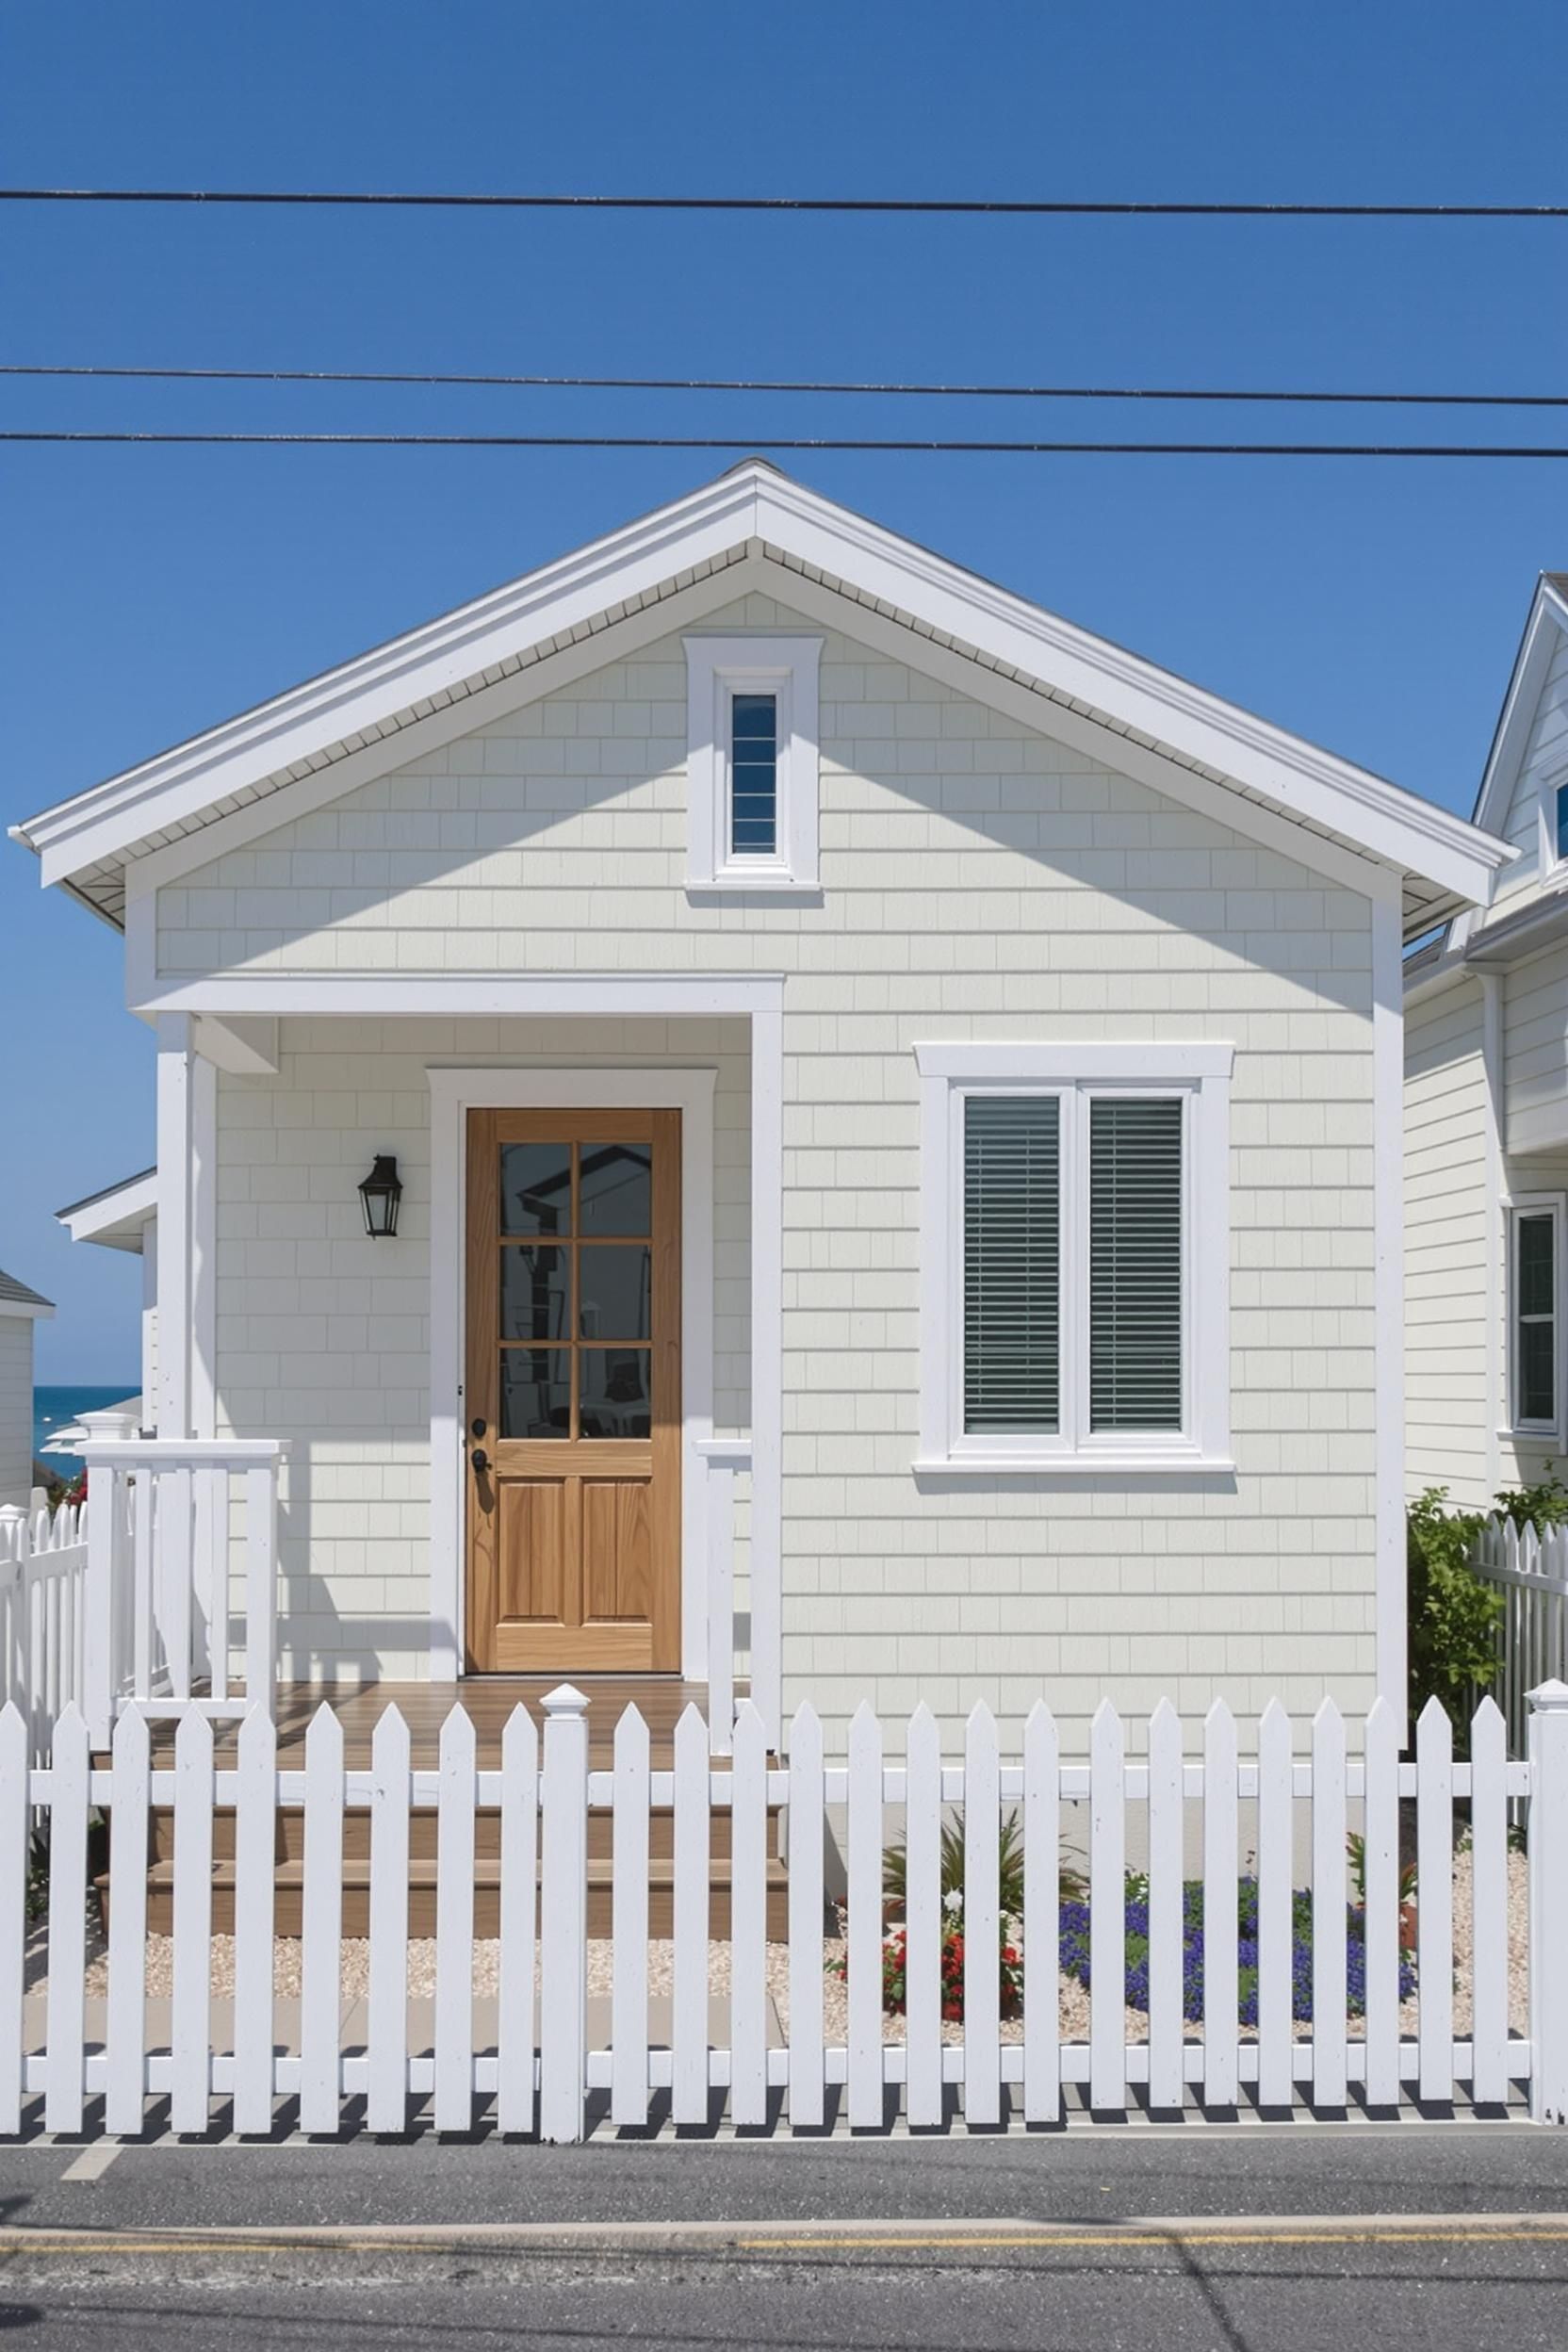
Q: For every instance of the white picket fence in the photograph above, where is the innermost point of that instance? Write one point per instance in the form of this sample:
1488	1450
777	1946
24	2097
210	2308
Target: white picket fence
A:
537	2071
42	1614
1530	1567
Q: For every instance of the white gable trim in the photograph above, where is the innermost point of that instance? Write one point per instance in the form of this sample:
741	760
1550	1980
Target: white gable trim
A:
1515	726
588	590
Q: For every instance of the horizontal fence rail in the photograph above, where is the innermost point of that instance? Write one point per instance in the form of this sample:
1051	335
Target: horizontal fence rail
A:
1528	1567
956	1895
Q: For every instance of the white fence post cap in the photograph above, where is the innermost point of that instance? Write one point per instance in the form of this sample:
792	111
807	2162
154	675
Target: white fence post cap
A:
566	1700
11	1511
1549	1698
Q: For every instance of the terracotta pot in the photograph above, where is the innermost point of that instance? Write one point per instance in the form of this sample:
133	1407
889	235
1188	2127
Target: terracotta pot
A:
1407	1927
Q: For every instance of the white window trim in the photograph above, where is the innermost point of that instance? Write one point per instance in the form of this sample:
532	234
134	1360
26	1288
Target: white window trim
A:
717	669
1553	868
1553	1432
1200	1074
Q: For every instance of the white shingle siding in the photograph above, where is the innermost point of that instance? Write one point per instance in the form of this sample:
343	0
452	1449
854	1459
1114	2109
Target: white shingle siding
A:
979	880
16	1408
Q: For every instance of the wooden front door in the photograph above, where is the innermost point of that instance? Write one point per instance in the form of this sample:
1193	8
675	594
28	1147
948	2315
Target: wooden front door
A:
573	1401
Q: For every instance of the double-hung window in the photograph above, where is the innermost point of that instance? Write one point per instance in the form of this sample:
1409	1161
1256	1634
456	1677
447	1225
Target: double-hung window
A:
1535	1320
751	763
1074	1257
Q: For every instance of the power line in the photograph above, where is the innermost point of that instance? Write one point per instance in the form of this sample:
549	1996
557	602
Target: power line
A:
999	206
756	443
764	383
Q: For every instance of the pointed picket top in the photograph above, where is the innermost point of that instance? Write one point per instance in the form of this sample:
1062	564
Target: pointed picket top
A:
749	1725
865	1732
1488	1713
323	1736
691	1731
132	1740
566	1699
1219	1716
520	1742
1381	1707
1328	1719
1105	1731
1162	1716
925	1736
1273	1715
69	1719
1038	1720
806	1742
193	1740
389	1742
1432	1724
631	1736
921	1717
980	1720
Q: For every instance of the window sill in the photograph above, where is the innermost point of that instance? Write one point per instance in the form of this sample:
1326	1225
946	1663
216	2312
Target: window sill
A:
756	886
1552	1439
1141	1464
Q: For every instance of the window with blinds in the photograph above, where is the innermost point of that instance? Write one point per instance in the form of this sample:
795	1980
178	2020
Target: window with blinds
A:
1135	1264
1012	1262
1535	1318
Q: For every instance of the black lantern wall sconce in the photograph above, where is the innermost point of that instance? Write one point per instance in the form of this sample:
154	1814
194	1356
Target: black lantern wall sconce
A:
379	1193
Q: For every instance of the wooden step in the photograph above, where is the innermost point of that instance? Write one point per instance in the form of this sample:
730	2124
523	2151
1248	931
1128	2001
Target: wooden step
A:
421	1899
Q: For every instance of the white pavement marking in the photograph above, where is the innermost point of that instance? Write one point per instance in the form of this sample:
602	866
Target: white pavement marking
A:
93	2161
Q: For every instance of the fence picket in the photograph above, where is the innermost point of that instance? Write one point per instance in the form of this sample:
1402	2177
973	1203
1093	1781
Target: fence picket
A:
126	2072
748	1921
863	1933
1381	1898
805	1901
1276	1806
1329	1942
983	1926
14	1747
1107	1912
255	1902
629	2090
1489	1904
454	1925
563	1911
320	1956
387	2035
515	2106
191	2034
62	2105
923	1921
1167	2079
1434	1834
1042	1894
689	1990
1221	2063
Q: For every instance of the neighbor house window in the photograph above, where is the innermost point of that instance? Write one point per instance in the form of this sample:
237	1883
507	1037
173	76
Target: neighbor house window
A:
751	763
1076	1257
1535	1262
1559	806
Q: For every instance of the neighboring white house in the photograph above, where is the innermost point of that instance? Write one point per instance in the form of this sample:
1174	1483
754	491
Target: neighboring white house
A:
1486	1156
846	1039
19	1309
125	1216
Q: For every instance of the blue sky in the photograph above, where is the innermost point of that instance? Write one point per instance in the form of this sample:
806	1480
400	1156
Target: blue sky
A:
145	593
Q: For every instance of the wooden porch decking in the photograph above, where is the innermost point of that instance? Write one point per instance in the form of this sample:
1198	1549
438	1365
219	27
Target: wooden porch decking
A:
489	1701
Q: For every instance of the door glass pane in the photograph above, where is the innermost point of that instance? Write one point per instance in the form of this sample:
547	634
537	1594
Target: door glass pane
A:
535	1292
614	1292
616	1189
612	1393
536	1187
536	1391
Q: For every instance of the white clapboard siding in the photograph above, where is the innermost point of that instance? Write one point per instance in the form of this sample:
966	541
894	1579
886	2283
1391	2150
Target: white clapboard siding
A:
805	1901
543	2072
982	1921
922	1921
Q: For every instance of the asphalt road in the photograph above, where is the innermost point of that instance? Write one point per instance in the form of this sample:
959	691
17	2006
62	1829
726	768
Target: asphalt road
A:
1250	2241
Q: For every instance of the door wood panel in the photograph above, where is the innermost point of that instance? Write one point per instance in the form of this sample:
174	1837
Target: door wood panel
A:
573	1313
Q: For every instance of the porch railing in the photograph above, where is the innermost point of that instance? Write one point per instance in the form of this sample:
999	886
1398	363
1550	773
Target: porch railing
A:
727	1459
42	1614
165	1516
1529	1568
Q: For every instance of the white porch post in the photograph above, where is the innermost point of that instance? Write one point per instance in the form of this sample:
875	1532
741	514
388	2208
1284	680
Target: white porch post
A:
767	1365
187	1285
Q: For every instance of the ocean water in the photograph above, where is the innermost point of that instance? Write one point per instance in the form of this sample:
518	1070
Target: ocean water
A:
56	1408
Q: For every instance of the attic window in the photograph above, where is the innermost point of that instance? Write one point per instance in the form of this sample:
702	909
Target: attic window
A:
751	763
1561	826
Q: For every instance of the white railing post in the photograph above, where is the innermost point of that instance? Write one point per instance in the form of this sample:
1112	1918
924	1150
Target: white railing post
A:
721	1612
1547	1832
261	1584
106	1497
563	1910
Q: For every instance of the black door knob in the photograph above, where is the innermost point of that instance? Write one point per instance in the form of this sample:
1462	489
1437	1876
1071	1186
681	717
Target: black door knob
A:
478	1427
481	1461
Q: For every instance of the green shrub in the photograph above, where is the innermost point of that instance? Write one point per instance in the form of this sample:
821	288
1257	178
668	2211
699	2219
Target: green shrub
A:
1453	1613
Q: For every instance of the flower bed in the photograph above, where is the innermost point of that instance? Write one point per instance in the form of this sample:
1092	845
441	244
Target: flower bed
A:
1074	1948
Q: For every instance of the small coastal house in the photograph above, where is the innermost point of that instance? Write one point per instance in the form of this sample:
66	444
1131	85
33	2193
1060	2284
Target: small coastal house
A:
751	1110
19	1309
1486	1118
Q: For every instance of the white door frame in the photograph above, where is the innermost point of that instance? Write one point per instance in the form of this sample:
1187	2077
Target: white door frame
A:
554	1085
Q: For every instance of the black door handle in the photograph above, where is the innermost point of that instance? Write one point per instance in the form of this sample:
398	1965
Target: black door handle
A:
478	1427
481	1461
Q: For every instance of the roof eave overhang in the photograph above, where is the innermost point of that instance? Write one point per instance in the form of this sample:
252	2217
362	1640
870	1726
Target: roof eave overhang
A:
586	592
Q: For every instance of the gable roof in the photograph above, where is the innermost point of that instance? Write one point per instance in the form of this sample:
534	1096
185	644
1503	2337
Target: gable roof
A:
16	1298
1548	614
753	510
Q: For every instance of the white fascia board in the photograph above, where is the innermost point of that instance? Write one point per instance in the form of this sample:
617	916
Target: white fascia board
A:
1516	721
585	592
576	591
444	995
116	1218
25	1310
